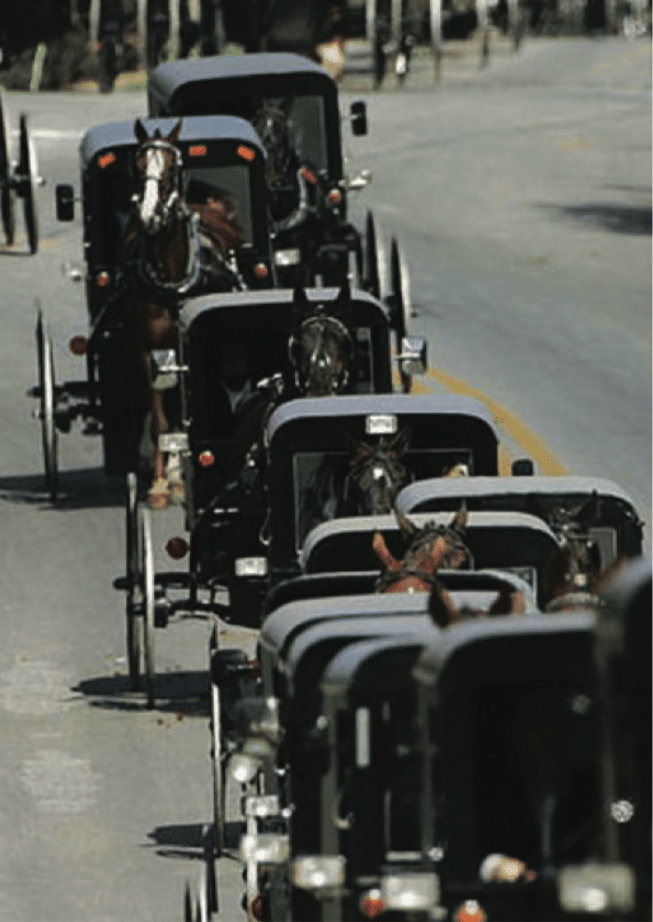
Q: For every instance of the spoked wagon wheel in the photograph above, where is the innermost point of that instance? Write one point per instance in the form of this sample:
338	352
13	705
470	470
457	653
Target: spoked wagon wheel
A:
147	571
217	768
402	309
7	190
375	267
28	178
134	594
46	405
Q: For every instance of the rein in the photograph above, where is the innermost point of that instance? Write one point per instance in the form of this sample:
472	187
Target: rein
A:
409	566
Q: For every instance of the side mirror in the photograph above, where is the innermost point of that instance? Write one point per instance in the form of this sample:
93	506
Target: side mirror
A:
65	202
358	116
164	369
413	359
522	467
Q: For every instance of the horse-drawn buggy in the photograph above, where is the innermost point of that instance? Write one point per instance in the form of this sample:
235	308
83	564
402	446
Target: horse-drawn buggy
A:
18	179
366	764
293	104
169	210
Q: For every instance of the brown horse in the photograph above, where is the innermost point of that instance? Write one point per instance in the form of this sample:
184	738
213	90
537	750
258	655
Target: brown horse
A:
431	548
171	250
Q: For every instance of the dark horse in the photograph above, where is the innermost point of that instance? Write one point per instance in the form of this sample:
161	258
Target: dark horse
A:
171	250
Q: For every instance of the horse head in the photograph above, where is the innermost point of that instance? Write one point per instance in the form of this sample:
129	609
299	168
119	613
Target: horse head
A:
158	176
271	122
376	474
430	549
321	348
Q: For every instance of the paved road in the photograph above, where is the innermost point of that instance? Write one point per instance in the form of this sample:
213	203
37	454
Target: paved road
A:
522	196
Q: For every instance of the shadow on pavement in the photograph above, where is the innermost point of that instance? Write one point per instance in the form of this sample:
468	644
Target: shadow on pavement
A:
83	488
621	219
189	841
178	694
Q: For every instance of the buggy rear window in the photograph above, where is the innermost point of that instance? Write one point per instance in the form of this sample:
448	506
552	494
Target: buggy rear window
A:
224	183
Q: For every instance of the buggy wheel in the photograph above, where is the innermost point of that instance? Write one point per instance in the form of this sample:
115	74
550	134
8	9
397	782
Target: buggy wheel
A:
46	407
375	268
28	180
147	571
402	309
217	769
134	594
7	191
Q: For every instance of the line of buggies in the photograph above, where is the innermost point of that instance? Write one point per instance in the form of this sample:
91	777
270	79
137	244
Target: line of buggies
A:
377	761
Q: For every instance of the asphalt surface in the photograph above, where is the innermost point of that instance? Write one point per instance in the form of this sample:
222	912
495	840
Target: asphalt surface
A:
522	197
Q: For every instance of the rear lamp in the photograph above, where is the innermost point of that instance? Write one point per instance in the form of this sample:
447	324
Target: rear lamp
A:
105	160
102	279
206	458
371	904
410	891
470	911
257	908
318	872
177	548
261	271
334	197
78	345
308	175
197	150
380	424
597	888
247	153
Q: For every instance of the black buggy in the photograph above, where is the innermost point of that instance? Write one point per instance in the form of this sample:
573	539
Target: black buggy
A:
219	154
293	104
231	507
18	179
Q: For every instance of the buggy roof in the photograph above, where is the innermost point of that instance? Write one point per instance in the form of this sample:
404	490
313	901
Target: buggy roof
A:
409	405
239	301
167	78
495	650
283	624
372	666
517	492
194	128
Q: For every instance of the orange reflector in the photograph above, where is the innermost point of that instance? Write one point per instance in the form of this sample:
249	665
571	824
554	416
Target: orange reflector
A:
470	911
246	152
206	458
177	548
78	345
261	271
308	175
257	909
372	906
334	197
102	279
106	160
197	150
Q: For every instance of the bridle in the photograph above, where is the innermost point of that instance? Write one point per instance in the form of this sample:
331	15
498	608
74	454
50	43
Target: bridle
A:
160	208
409	566
380	467
319	362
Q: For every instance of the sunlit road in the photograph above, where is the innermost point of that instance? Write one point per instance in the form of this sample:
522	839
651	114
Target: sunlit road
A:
522	198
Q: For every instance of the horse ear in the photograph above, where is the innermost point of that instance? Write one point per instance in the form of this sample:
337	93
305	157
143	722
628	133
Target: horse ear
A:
173	137
408	529
380	548
508	603
400	442
357	450
460	519
140	131
441	607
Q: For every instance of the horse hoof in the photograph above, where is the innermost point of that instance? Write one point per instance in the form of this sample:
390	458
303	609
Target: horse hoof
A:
158	496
